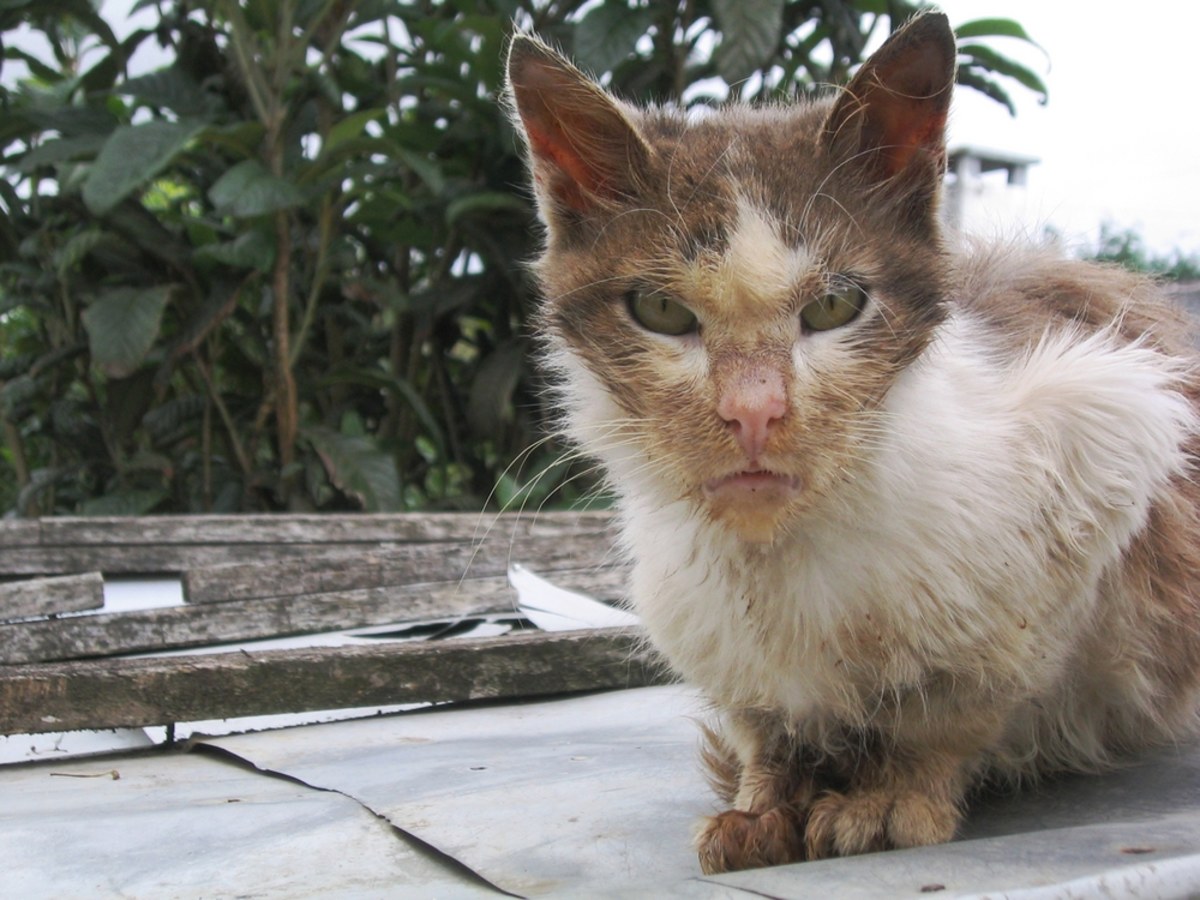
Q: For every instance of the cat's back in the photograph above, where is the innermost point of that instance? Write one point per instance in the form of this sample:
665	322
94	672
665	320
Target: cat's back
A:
1109	374
1024	292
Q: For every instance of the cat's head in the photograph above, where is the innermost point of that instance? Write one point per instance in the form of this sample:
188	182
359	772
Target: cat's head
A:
730	296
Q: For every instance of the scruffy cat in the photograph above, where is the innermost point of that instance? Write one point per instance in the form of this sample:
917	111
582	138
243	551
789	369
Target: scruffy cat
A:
910	517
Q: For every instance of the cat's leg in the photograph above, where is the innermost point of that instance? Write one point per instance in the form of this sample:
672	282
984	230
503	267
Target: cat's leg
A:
756	767
896	800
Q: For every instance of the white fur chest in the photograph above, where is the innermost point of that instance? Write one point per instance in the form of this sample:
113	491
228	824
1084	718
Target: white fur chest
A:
971	546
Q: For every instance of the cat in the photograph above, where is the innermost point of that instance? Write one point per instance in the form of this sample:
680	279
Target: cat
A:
914	517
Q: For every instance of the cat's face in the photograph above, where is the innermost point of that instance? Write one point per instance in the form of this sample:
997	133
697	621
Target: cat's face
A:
730	298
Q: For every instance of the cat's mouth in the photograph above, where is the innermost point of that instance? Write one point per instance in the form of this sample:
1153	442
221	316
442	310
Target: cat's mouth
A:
757	484
752	501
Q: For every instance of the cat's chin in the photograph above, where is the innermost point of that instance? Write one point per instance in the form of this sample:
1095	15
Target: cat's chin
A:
752	503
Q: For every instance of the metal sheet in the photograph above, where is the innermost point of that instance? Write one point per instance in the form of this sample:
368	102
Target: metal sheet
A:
195	826
587	796
583	794
599	795
1076	863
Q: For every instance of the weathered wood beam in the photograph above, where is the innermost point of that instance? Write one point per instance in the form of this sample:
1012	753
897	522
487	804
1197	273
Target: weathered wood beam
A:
150	559
198	625
20	532
402	565
156	691
314	528
177	543
48	596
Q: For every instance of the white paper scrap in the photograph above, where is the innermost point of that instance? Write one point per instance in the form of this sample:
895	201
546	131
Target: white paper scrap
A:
552	608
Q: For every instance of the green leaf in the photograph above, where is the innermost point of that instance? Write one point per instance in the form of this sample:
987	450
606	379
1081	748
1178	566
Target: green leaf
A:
978	28
350	127
72	121
242	138
750	34
131	157
358	467
150	231
490	404
122	326
987	58
15	393
336	159
973	79
103	74
61	150
172	88
608	34
426	169
79	246
84	11
402	388
37	68
172	419
123	503
249	250
248	189
483	202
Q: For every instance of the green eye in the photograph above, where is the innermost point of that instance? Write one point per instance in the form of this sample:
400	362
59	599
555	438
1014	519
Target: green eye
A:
657	312
835	309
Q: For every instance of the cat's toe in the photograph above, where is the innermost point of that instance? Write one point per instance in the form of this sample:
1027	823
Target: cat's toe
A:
737	840
867	821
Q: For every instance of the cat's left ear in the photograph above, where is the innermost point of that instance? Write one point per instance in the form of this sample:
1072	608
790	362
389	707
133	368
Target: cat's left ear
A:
890	121
584	150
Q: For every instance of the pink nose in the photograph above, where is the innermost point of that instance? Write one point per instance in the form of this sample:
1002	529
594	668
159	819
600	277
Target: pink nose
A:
749	404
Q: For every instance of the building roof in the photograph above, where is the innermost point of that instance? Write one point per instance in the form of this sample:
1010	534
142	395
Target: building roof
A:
990	159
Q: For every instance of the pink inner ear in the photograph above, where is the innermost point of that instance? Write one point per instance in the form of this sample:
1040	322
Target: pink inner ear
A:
584	150
574	176
909	126
898	102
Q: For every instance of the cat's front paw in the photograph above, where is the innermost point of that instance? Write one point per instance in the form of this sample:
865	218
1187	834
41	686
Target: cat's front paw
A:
870	820
737	840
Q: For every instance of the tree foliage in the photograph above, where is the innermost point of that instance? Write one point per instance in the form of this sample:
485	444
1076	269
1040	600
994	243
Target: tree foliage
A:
285	271
1125	247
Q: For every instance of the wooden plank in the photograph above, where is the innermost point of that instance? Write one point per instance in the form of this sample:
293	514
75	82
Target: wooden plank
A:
138	692
403	565
20	532
47	596
313	529
180	558
158	544
216	623
149	559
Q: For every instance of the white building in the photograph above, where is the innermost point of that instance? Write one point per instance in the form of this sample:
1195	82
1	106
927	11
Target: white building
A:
986	191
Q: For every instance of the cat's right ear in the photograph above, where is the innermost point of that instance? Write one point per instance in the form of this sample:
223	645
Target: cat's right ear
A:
583	149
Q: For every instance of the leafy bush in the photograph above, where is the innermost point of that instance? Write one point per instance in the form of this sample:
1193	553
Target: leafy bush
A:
1126	247
286	270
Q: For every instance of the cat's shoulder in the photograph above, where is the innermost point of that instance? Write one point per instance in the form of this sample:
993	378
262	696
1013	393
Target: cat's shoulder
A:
1024	291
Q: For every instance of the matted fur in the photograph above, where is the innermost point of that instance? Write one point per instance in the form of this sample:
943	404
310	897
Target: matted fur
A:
965	548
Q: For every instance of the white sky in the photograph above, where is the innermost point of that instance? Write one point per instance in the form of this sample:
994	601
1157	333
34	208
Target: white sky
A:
1120	137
